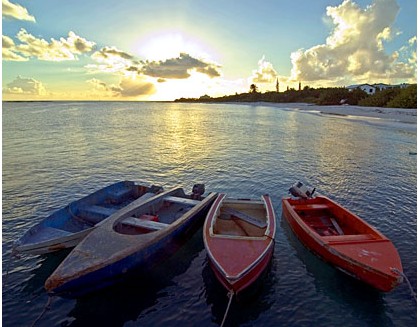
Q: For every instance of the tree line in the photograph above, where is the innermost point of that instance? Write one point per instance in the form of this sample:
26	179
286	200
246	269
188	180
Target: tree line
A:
391	98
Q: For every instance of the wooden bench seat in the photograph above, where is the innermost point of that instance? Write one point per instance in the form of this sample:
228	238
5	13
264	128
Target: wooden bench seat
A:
243	216
96	213
131	221
118	196
98	210
142	223
301	207
356	238
179	200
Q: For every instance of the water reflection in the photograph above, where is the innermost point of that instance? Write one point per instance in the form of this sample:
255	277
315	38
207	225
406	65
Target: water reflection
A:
343	290
341	150
137	295
45	265
247	307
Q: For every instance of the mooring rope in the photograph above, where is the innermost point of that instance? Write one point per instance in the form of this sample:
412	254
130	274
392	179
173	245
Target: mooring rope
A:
230	295
7	273
46	308
414	295
13	254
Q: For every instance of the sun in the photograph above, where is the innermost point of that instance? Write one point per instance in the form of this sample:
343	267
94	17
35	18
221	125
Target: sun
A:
169	44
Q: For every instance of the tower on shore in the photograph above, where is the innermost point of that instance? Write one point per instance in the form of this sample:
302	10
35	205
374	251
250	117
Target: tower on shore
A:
277	85
300	86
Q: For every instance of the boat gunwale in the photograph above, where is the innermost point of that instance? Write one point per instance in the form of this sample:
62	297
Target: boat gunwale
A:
331	247
323	239
266	206
24	248
266	238
153	236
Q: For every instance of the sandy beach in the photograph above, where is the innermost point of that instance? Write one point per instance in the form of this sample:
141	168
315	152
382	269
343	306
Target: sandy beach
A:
391	114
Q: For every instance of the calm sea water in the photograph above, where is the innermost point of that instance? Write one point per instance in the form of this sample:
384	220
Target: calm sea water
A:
56	152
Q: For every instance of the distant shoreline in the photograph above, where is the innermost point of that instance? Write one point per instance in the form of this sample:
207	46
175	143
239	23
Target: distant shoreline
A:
392	114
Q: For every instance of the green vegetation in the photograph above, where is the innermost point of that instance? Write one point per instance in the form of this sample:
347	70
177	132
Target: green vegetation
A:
394	98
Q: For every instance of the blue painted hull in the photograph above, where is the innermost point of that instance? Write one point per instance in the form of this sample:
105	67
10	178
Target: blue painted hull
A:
66	227
142	258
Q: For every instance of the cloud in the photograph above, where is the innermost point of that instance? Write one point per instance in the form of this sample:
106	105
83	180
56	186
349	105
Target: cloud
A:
98	84
15	11
127	87
355	47
25	86
7	50
112	60
179	68
110	54
265	72
56	50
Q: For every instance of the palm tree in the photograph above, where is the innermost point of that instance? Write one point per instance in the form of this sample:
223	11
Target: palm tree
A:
253	88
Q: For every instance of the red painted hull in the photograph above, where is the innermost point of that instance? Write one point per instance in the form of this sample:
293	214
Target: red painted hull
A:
239	260
245	281
358	249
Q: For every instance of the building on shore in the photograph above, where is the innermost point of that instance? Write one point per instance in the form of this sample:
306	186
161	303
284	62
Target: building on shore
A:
373	88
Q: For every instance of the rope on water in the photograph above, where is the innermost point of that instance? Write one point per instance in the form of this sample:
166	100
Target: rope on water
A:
46	308
13	254
230	295
414	295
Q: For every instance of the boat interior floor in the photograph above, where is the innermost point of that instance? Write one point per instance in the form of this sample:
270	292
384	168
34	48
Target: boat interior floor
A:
46	233
245	223
170	213
331	228
324	225
75	225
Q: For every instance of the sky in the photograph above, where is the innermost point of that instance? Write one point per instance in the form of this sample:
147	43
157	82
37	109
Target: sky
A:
162	50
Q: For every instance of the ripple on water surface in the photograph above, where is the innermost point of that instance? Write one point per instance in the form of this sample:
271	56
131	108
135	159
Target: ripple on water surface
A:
54	153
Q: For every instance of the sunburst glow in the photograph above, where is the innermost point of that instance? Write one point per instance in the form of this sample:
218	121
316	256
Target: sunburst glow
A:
169	44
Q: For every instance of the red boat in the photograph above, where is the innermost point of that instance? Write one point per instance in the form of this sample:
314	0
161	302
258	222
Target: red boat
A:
344	240
239	239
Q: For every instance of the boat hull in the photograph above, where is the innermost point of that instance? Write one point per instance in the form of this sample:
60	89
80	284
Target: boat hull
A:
53	244
241	284
368	256
66	227
138	254
113	273
239	260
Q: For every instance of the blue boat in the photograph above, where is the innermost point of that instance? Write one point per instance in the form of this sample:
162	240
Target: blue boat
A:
136	237
66	227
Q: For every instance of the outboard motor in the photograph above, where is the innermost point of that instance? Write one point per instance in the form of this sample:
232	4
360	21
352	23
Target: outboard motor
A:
301	191
197	191
156	189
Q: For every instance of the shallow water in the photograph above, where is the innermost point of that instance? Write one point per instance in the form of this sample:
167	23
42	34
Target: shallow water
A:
56	152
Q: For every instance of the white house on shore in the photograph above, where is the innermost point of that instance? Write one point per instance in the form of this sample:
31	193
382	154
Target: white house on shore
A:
372	88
